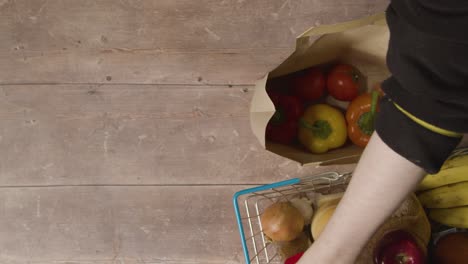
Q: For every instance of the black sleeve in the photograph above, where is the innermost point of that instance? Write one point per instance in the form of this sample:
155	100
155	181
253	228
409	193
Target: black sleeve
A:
429	79
417	144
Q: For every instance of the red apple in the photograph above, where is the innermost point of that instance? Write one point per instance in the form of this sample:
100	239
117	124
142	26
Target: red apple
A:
399	247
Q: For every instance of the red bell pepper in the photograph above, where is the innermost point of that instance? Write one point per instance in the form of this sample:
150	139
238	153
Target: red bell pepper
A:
294	259
309	85
283	126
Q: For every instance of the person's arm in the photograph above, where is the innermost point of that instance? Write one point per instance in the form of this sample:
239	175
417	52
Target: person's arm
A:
422	118
380	183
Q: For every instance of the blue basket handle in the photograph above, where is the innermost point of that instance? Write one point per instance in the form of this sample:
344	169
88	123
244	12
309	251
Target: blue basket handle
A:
253	190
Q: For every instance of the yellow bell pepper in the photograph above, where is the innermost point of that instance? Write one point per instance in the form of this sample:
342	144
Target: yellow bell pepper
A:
322	128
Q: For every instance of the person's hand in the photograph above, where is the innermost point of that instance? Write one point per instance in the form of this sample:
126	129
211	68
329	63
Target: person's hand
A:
321	253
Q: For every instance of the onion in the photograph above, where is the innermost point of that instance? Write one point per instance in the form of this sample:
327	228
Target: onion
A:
281	221
335	102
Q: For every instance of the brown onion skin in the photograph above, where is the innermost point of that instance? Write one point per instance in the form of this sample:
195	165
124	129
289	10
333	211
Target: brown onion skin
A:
281	221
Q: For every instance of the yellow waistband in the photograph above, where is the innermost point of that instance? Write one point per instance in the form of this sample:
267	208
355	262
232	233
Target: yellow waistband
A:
432	128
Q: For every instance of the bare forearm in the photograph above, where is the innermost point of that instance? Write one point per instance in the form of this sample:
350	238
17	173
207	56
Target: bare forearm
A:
381	181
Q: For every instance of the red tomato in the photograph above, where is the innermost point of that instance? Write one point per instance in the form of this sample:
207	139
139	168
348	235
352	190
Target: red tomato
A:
343	82
310	85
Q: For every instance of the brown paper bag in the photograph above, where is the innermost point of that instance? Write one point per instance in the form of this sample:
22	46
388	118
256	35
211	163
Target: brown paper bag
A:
362	43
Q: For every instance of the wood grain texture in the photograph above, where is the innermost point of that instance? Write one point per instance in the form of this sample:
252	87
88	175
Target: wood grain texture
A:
104	225
124	126
132	134
159	41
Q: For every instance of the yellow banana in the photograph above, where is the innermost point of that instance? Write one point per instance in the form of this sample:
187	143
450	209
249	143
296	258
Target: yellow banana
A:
454	170
444	177
455	217
452	195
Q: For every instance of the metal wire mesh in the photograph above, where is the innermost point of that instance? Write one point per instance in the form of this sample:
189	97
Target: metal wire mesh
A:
261	250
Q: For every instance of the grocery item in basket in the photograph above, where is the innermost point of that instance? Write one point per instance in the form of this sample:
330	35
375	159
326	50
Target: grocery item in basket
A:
294	259
328	198
304	205
399	247
281	221
326	207
321	128
321	218
410	217
452	249
291	248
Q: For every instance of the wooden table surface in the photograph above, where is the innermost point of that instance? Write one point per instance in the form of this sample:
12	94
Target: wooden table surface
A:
124	125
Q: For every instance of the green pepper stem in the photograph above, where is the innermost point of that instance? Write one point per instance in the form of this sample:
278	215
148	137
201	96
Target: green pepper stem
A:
366	120
320	128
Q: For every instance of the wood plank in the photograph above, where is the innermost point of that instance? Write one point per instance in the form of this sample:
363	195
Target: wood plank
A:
159	41
149	67
133	134
51	25
119	225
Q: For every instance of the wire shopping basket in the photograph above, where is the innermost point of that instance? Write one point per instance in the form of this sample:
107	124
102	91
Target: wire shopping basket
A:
250	203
